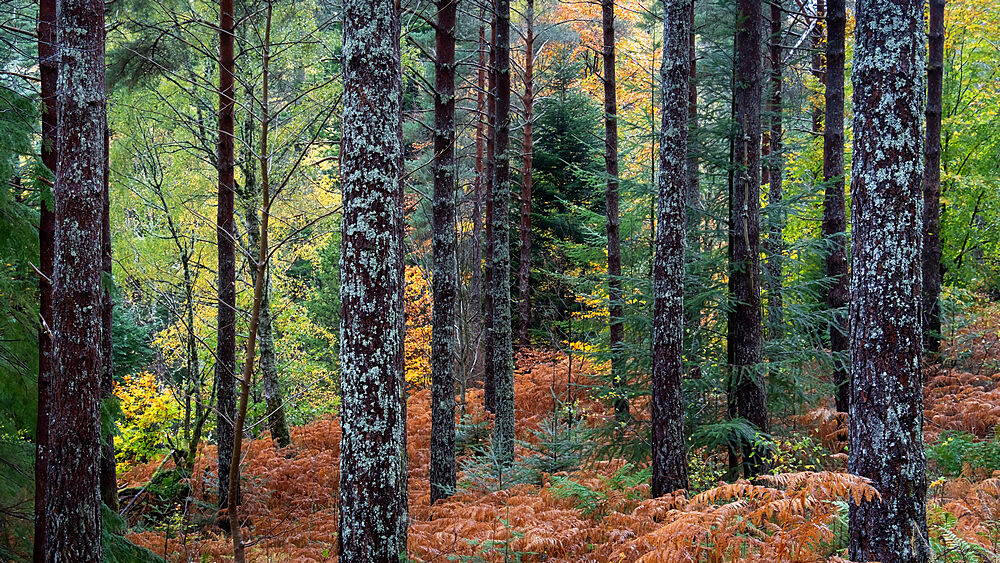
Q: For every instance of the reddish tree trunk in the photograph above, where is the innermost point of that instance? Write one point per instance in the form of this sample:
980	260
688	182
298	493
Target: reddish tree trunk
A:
669	449
744	340
225	355
932	181
72	484
886	423
444	344
616	327
372	505
524	262
772	173
834	212
48	71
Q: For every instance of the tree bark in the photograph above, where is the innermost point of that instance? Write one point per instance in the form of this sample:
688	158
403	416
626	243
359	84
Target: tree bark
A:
502	354
489	378
524	262
616	327
48	72
744	340
225	360
270	385
72	483
444	343
932	181
669	448
834	212
372	462
773	172
478	182
886	423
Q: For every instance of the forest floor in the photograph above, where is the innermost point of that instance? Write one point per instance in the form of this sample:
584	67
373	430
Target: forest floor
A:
602	512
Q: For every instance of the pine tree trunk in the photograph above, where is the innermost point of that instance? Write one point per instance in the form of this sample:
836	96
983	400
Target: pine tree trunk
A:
886	425
372	463
773	172
524	262
932	181
444	344
48	72
109	484
502	354
616	327
669	449
225	360
834	212
72	484
693	196
478	182
745	331
489	378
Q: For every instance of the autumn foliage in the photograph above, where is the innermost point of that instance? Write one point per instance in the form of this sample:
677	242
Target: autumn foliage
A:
291	500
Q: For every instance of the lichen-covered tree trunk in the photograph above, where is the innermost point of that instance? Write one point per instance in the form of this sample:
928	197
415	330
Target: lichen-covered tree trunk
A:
48	73
527	169
745	335
616	326
772	175
932	181
372	464
489	378
444	344
834	211
886	422
72	485
669	450
502	354
225	353
109	483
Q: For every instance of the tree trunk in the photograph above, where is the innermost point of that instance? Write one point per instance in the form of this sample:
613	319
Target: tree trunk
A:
372	463
818	63
745	330
502	354
48	72
476	282
669	450
932	182
277	424
109	484
886	428
616	327
834	212
524	262
773	171
489	378
693	196
444	344
225	360
72	484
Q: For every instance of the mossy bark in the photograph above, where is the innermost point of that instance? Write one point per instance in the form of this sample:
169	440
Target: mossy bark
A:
886	411
669	448
372	492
